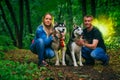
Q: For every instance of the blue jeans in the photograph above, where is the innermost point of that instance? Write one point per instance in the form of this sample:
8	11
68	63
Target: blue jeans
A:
38	47
91	54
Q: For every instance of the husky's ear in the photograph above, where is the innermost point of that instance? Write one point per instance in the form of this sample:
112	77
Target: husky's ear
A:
82	25
74	26
64	22
55	24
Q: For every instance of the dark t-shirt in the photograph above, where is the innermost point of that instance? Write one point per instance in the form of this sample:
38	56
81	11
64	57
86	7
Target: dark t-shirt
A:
94	34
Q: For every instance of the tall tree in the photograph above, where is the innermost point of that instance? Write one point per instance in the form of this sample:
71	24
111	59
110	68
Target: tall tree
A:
28	15
21	23
70	15
60	13
93	7
14	20
7	24
84	11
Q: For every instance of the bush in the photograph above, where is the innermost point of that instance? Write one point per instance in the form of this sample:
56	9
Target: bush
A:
2	55
6	43
10	70
113	43
27	40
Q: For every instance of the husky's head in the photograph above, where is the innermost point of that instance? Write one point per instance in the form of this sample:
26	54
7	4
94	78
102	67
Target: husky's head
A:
78	31
60	28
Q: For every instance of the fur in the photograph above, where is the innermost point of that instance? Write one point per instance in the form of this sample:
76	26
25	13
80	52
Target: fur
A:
73	50
56	44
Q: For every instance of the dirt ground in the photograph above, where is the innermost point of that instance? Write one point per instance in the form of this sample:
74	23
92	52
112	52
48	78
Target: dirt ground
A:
82	73
96	72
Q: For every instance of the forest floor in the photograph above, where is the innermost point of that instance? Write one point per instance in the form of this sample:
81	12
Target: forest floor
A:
96	72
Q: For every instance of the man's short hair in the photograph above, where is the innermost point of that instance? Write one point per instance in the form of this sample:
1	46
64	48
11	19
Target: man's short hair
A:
87	16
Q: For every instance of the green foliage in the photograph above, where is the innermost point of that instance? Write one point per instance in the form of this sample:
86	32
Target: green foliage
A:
43	69
6	43
49	78
27	40
10	70
113	43
60	74
2	55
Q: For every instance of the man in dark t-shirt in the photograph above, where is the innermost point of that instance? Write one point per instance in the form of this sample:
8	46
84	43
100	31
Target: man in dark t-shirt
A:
93	44
94	34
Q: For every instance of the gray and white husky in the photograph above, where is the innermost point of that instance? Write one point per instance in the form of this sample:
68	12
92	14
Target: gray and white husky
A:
59	29
73	50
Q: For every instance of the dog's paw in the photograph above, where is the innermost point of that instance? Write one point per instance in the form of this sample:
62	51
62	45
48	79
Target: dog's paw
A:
75	65
57	64
81	64
64	64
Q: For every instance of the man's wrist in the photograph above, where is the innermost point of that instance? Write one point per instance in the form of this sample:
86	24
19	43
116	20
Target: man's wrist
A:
83	44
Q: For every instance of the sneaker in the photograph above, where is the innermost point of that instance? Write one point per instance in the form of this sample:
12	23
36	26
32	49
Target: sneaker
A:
44	63
105	63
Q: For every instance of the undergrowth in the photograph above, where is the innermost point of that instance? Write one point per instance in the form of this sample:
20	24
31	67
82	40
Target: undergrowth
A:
10	70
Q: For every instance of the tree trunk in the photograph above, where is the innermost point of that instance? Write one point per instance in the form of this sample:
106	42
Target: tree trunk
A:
60	13
14	20
21	23
93	7
7	24
84	11
70	16
28	15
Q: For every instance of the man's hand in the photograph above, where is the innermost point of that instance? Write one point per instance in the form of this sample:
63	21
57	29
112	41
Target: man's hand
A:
80	42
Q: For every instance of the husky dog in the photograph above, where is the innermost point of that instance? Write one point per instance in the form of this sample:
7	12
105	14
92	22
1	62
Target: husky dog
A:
73	50
58	42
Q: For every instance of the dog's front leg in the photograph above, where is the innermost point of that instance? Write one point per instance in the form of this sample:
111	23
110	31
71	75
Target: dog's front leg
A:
73	57
57	58
80	58
63	56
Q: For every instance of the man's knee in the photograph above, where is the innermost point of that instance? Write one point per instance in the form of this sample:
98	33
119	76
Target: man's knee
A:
93	55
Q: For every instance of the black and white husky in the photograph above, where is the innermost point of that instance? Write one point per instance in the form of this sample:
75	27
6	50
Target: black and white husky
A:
73	50
58	44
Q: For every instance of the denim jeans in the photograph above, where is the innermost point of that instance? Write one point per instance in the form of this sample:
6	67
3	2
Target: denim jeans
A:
91	54
38	47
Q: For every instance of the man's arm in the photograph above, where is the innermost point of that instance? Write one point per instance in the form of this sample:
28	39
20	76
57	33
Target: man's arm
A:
91	46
